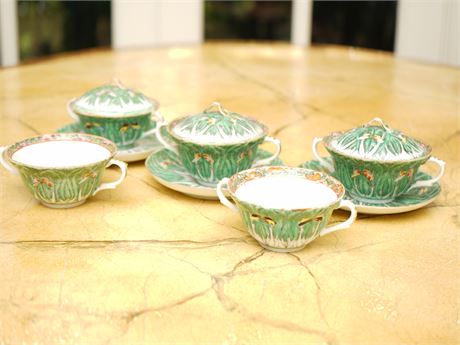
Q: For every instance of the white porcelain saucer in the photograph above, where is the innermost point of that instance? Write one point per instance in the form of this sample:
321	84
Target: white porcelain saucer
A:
411	200
141	149
166	168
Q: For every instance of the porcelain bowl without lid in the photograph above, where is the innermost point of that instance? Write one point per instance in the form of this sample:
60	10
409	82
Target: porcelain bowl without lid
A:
289	208
62	170
60	150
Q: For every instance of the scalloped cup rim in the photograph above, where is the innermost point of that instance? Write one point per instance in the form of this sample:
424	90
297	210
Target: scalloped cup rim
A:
148	111
327	143
231	188
214	143
110	146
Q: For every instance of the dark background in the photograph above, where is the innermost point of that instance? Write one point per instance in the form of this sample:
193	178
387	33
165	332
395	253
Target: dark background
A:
369	24
48	27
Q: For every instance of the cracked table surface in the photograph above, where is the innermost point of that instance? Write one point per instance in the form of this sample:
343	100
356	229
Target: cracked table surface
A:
143	264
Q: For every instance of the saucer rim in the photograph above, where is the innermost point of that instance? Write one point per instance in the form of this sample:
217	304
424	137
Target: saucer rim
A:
208	193
198	192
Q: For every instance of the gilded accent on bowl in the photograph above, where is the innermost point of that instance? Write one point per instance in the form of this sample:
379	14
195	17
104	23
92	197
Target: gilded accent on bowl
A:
284	229
62	186
140	150
124	131
166	165
210	163
381	181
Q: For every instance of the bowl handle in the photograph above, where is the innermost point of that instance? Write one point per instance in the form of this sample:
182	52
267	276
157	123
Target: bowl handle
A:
223	199
111	185
346	224
158	118
266	161
71	112
5	163
431	181
323	162
168	146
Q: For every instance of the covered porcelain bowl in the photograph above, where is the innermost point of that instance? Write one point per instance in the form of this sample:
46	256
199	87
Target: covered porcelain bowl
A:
115	112
216	143
113	100
376	162
376	141
216	126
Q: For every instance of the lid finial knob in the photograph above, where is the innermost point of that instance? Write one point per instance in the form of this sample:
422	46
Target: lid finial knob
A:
117	82
219	107
380	122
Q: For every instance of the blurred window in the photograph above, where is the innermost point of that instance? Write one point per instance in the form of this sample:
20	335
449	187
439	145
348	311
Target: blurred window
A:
48	27
248	20
369	24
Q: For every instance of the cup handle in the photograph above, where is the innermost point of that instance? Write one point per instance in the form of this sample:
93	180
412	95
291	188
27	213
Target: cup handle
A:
430	182
111	185
223	199
270	159
156	116
346	224
5	163
71	112
323	162
168	146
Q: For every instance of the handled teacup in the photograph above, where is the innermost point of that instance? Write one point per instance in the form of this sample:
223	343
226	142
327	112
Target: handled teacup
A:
376	163
217	143
285	208
62	170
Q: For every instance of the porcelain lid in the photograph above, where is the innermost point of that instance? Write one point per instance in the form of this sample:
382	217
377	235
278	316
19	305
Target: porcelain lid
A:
377	141
113	100
216	125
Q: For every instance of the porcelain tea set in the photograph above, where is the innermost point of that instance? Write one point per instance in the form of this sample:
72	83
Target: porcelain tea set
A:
215	154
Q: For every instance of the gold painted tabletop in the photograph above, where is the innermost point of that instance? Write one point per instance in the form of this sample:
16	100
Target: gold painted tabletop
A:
143	264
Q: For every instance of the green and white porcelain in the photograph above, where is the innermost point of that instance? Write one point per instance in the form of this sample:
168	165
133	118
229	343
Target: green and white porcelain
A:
166	167
140	150
376	163
284	229
62	170
216	143
115	112
413	199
